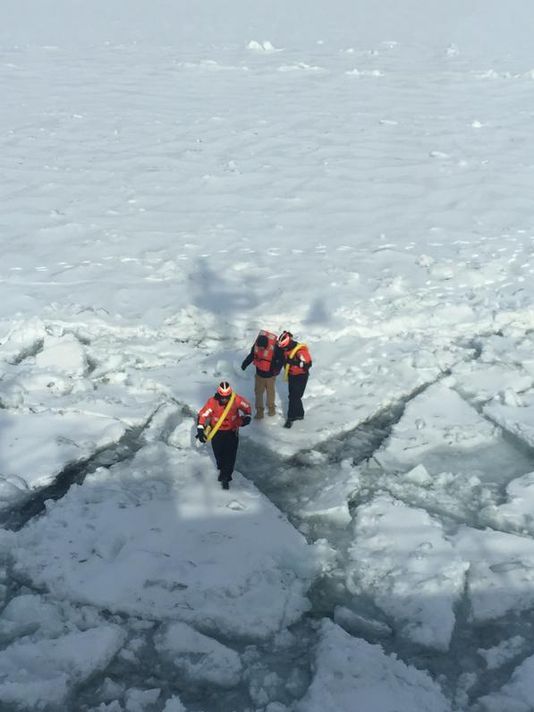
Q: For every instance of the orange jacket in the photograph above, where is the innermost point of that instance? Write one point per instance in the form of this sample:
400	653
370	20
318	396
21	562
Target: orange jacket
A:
301	361
212	410
263	357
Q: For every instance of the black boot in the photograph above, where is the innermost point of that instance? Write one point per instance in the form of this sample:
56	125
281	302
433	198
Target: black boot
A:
225	484
288	423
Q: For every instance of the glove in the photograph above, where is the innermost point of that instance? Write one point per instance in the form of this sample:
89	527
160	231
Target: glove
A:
296	361
201	435
245	420
243	366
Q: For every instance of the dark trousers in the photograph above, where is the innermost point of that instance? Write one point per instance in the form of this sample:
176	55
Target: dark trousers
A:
297	386
224	446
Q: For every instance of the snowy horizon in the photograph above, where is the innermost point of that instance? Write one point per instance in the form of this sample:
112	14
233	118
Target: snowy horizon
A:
176	176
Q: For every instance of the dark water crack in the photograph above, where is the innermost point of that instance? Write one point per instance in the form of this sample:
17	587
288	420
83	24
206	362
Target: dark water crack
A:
34	503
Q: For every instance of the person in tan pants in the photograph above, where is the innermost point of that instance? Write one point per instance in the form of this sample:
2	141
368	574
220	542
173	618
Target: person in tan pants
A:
266	355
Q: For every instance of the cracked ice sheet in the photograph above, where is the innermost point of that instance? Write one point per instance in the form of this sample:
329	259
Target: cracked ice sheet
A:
58	377
445	434
51	649
158	538
352	674
402	559
480	382
512	349
500	579
37	673
455	495
516	416
517	514
56	441
42	392
199	659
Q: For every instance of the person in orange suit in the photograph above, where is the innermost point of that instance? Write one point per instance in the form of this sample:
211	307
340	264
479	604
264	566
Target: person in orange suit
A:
268	359
226	421
297	363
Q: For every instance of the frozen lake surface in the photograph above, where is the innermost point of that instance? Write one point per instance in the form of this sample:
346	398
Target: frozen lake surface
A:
176	176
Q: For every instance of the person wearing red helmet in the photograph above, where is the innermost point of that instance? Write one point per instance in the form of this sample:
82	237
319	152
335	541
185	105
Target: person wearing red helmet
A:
297	363
219	421
266	355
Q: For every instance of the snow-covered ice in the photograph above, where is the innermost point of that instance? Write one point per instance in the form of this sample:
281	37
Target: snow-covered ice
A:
500	579
402	559
349	671
198	658
158	538
434	423
516	514
36	673
516	416
176	176
57	440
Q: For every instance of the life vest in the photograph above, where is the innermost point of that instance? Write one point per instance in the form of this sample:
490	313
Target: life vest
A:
212	430
263	358
304	355
212	411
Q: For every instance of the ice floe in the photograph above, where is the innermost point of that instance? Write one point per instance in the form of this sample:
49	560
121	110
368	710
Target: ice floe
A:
158	538
58	440
350	671
403	560
35	674
517	416
434	422
199	659
516	514
500	579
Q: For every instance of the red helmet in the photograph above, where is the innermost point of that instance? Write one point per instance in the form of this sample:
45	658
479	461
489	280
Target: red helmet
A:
284	339
224	389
